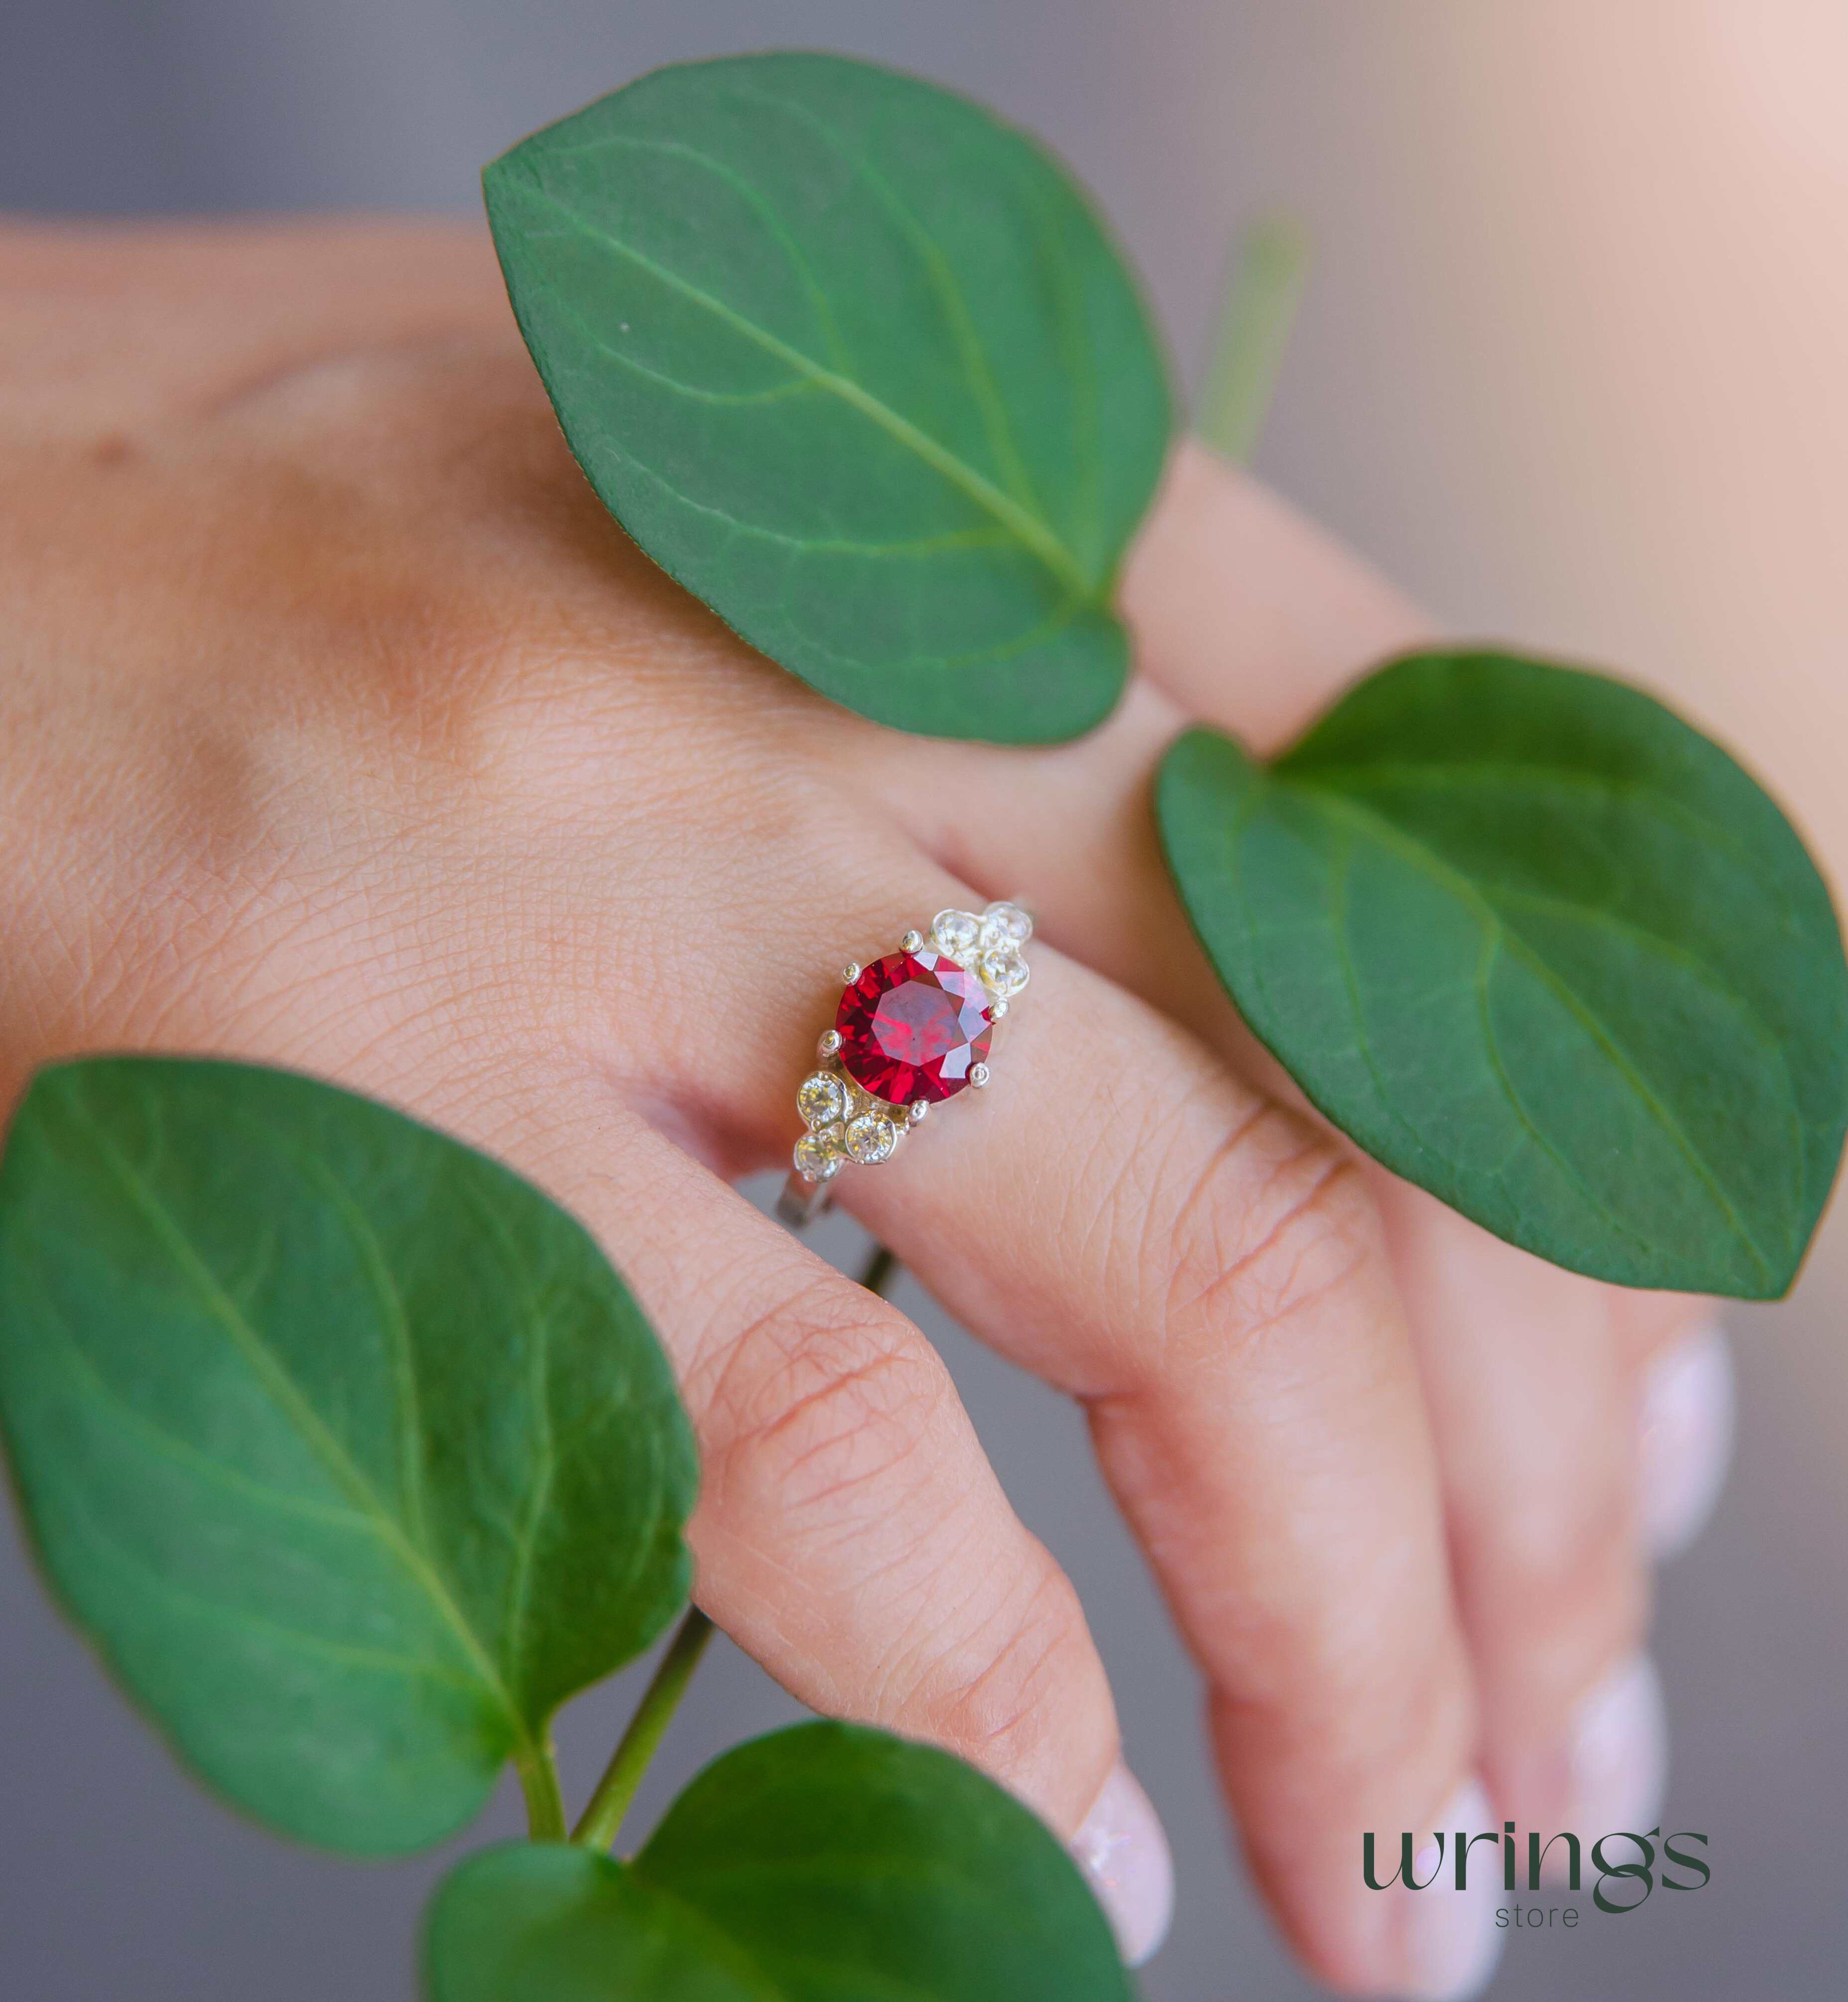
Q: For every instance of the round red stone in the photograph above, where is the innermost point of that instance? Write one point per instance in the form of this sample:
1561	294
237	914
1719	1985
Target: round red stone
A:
913	1025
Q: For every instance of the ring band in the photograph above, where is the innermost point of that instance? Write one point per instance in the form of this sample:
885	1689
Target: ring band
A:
913	1030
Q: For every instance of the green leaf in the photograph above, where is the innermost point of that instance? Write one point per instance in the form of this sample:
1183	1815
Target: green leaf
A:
344	1446
856	363
1542	949
816	1864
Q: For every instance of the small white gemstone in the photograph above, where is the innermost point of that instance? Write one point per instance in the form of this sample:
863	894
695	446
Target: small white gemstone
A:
978	1075
871	1138
850	972
957	933
911	942
830	1042
918	1107
818	1155
1004	925
822	1099
1004	973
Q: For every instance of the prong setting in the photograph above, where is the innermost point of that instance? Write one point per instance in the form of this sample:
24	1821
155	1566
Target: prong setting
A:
848	1122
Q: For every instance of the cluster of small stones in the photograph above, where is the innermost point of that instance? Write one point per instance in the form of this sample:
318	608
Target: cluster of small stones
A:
847	1124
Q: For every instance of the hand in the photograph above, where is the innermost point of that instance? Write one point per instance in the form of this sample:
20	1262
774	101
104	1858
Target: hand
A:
344	730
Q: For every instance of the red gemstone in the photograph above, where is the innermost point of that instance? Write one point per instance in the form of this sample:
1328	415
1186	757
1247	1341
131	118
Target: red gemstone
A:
913	1025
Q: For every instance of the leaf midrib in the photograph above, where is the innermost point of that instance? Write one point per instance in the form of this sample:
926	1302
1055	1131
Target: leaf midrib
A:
1027	528
972	355
1448	876
295	1406
1464	774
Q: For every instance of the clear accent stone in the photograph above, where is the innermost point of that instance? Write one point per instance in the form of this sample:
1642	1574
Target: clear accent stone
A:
1003	973
1005	924
957	933
822	1099
820	1156
871	1138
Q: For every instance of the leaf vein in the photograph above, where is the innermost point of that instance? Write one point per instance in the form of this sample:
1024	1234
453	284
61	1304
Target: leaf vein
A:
290	1399
1033	532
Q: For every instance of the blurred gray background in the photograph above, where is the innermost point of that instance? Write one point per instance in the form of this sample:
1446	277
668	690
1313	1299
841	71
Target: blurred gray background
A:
1568	366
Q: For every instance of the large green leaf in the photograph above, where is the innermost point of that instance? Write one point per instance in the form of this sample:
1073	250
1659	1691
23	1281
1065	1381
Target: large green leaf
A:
1542	949
855	362
817	1865
345	1445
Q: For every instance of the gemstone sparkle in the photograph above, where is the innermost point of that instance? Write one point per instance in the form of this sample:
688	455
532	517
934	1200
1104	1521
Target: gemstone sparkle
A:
911	1026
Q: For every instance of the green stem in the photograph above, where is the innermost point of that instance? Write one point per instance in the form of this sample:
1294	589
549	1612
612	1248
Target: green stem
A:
881	1273
598	1825
1259	304
545	1804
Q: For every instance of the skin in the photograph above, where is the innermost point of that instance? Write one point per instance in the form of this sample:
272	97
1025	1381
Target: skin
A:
342	730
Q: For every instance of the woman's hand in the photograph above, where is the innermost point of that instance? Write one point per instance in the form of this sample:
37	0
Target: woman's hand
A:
342	730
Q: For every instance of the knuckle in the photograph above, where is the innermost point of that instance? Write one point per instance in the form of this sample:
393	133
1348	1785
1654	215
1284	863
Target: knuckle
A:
1566	1578
821	1407
1370	1729
1274	1218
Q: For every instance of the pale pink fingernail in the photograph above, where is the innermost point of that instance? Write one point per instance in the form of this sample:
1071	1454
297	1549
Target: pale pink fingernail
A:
1619	1753
1685	1444
1447	1940
1123	1850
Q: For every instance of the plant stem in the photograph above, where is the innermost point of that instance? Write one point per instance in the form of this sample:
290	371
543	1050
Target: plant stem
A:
881	1272
598	1825
1256	312
545	1804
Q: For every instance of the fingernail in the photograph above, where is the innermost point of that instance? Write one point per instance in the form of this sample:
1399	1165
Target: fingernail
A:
1619	1753
1448	1942
1685	1445
1122	1848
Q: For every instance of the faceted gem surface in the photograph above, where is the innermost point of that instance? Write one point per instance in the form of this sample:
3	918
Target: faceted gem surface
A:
911	1026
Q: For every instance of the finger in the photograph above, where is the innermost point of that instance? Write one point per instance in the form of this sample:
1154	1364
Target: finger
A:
1245	612
850	1532
1205	1270
1555	1490
1532	1396
1529	1370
